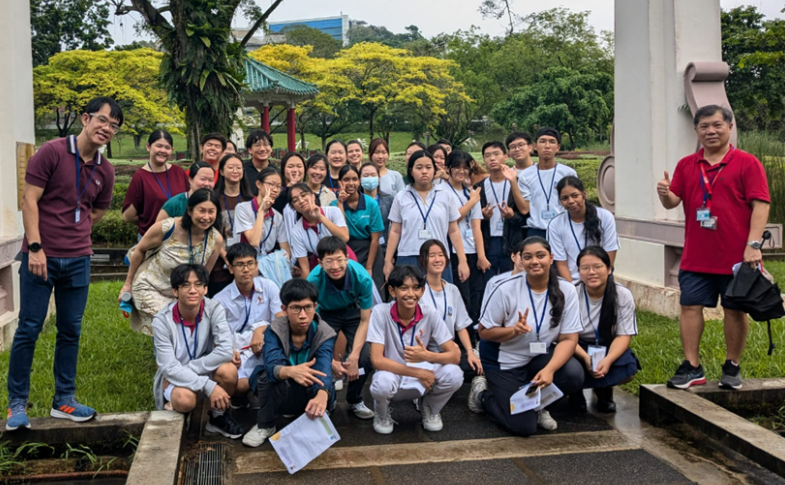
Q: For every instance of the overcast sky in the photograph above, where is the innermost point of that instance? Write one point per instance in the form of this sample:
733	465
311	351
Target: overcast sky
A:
436	16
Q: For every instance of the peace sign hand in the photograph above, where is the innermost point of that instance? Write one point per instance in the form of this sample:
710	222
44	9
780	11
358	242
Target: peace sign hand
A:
521	326
506	210
474	195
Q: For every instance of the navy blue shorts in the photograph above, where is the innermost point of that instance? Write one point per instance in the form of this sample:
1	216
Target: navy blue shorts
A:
623	368
704	289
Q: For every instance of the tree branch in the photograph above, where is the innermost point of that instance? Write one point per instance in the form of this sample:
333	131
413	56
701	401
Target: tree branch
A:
151	15
258	23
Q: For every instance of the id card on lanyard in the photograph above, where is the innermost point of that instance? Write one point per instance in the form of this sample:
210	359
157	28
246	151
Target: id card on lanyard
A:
424	233
538	347
548	214
79	194
500	224
704	215
467	231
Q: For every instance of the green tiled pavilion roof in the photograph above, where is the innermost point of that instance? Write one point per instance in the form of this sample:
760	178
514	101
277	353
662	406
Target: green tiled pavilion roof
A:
261	78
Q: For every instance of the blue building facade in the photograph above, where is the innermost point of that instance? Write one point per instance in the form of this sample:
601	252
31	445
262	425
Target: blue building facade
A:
333	26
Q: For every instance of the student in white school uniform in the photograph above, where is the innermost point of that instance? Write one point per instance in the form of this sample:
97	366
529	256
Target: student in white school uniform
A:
445	300
528	330
314	224
608	316
399	334
517	267
583	224
257	223
251	302
420	212
538	182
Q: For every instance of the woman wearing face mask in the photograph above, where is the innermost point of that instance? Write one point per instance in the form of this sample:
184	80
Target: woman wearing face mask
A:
257	222
201	176
154	183
193	238
362	216
420	212
583	224
354	154
529	330
336	159
390	181
317	173
369	180
608	316
439	154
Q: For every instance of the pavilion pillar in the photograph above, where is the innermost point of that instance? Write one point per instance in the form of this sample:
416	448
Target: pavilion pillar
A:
290	128
266	117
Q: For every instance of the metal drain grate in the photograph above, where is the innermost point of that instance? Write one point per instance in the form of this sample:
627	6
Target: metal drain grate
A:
204	465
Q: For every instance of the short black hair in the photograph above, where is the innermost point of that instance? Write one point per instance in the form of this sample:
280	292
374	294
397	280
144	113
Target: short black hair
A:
518	135
302	187
268	171
234	145
419	144
214	136
355	142
410	164
298	289
444	141
240	250
330	245
194	170
458	159
346	169
182	272
257	135
400	273
199	196
711	110
95	105
494	144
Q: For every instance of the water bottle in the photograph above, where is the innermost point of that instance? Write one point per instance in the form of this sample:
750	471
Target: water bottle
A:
125	304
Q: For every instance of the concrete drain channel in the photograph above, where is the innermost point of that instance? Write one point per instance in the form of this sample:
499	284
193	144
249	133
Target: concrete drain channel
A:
204	465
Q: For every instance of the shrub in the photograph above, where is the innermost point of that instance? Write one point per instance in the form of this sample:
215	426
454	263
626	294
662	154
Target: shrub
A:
771	152
113	231
118	197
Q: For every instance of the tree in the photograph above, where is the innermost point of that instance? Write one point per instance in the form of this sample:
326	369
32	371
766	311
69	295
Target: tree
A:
203	65
59	25
324	45
578	103
138	44
64	86
362	32
498	9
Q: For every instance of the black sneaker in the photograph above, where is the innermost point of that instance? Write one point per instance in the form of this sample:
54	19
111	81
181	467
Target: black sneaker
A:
224	425
605	403
577	402
687	376
731	378
239	402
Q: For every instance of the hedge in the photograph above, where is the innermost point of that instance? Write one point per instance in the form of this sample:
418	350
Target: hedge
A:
113	231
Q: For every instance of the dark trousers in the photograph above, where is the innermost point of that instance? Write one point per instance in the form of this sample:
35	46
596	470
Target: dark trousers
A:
347	321
537	232
502	384
277	398
471	289
500	262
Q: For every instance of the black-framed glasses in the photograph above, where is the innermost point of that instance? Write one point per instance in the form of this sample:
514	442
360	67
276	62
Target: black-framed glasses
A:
104	121
296	309
242	266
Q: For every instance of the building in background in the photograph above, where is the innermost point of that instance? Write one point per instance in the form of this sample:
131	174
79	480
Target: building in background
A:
337	27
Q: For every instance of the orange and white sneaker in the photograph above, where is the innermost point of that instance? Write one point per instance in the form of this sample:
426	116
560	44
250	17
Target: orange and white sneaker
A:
17	417
70	409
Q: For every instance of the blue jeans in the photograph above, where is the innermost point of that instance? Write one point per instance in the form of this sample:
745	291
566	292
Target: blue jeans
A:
70	279
413	260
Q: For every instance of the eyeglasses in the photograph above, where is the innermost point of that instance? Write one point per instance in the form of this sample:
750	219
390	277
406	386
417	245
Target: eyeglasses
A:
273	186
187	286
261	144
586	268
104	121
518	146
329	263
242	266
296	309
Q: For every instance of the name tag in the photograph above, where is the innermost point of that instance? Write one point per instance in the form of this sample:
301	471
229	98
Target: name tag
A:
548	214
710	223
596	354
500	226
468	233
703	214
538	348
425	234
78	214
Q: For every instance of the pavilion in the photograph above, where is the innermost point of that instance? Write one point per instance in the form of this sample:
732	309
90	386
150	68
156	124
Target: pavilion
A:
267	86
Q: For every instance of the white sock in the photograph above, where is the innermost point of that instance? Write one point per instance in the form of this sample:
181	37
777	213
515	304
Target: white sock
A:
217	412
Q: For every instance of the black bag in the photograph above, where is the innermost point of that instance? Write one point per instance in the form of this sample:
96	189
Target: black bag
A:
756	295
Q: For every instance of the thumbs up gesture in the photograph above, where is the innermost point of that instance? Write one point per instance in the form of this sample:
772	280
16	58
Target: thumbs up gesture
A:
664	186
416	353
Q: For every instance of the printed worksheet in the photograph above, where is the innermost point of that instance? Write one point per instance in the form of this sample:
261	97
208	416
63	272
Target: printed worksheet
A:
412	382
303	440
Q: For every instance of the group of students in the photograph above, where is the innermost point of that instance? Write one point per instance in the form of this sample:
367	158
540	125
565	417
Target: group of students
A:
524	308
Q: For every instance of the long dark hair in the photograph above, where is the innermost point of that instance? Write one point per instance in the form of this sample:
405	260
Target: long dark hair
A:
199	196
609	309
591	225
160	134
220	186
556	296
422	259
285	161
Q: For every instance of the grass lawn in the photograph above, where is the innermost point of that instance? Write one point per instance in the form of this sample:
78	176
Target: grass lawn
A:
116	365
777	270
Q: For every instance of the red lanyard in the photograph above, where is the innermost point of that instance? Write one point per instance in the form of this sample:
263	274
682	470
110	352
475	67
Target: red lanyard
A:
707	185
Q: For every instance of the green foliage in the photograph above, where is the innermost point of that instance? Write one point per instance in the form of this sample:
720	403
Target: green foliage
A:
62	25
113	231
14	459
771	152
324	45
118	195
362	32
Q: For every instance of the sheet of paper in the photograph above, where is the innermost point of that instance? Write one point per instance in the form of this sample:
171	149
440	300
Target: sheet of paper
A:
412	382
520	402
549	395
303	440
596	354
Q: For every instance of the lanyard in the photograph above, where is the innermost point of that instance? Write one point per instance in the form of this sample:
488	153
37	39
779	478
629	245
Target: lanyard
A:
433	299
504	187
588	315
248	303
255	208
226	204
402	331
585	236
547	193
168	184
79	181
468	197
708	186
196	335
424	216
538	322
308	235
191	248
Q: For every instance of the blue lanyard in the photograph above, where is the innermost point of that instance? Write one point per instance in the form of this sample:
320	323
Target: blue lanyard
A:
424	216
248	303
585	236
191	248
79	181
196	336
168	184
433	299
504	187
588	316
548	193
401	332
226	204
465	194
538	321
255	208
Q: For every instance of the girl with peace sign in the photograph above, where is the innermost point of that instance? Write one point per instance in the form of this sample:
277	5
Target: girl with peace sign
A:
529	330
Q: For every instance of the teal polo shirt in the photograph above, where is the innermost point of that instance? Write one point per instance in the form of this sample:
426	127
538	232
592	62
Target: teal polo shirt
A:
364	220
357	288
177	205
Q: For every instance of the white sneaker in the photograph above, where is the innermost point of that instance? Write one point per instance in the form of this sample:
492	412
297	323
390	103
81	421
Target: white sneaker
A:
545	421
479	384
257	435
383	424
416	404
431	421
361	410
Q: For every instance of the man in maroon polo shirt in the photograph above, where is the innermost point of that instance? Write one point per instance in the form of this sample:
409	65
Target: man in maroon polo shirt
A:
68	188
726	205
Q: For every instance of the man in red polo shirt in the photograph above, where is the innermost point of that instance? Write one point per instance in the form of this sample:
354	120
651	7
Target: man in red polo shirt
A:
68	188
726	205
212	148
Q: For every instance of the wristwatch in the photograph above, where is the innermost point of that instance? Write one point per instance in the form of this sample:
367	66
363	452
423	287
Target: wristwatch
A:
34	247
754	244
